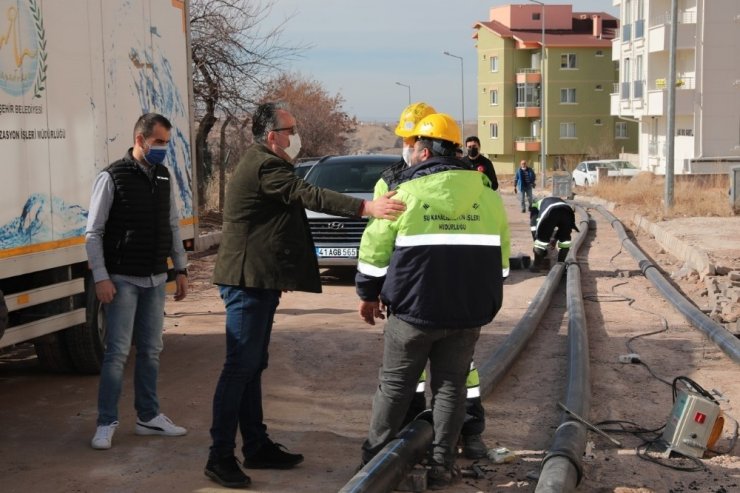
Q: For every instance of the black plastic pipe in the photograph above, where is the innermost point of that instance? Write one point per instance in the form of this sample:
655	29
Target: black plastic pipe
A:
562	469
728	343
383	473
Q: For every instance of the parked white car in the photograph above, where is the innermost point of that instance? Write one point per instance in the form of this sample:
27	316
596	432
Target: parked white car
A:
586	173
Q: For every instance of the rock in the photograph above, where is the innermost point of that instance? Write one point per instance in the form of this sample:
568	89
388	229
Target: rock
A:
685	272
721	270
731	312
733	294
734	275
711	283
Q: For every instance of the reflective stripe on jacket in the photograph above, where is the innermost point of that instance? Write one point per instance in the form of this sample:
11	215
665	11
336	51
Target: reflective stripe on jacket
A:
442	263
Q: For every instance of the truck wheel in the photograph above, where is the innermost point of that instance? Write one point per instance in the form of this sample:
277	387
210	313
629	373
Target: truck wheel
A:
86	342
53	354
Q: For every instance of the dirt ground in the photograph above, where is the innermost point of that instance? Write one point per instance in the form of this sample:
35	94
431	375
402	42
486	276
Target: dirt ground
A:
323	372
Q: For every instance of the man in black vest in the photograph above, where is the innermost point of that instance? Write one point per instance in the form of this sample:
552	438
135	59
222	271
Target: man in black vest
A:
132	227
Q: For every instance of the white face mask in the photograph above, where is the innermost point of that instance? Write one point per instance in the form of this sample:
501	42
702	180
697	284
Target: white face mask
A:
406	153
294	147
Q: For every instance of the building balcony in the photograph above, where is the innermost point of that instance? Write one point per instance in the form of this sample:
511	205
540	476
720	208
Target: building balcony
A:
657	101
659	34
528	76
527	111
527	144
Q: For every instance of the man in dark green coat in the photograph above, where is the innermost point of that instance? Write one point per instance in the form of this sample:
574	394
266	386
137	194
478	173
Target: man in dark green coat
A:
266	248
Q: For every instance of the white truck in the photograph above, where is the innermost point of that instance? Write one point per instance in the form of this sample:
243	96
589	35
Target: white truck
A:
74	77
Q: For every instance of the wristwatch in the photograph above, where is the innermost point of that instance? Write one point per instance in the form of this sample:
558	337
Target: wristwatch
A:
184	272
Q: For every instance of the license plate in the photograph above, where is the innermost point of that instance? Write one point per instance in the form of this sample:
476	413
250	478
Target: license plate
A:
337	252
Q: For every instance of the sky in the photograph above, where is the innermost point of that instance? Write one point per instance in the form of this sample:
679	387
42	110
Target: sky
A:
361	49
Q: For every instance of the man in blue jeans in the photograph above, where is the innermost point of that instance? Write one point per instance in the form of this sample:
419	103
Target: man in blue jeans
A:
266	248
524	182
132	227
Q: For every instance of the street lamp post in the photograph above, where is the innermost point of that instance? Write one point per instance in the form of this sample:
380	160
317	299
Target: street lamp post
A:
462	88
543	164
407	86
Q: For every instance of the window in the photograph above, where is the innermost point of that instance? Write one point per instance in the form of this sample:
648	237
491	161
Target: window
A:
598	122
599	87
527	95
568	61
567	96
494	64
536	16
494	130
620	131
568	130
600	53
494	97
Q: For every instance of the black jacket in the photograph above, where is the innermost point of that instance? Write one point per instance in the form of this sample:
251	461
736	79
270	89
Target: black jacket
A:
485	166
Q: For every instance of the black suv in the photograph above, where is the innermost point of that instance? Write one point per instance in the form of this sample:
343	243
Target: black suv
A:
337	239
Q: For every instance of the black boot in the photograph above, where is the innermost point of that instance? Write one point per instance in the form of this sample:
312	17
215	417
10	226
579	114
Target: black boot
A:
562	254
539	261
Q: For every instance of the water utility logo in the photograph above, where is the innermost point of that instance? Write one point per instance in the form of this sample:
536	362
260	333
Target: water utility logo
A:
22	48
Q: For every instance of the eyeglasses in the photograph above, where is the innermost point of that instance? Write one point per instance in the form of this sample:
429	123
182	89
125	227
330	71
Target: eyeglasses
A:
291	130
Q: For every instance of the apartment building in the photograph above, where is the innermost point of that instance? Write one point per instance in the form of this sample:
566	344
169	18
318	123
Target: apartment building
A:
707	102
576	80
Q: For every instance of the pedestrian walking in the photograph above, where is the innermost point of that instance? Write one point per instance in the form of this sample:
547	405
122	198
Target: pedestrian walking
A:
524	183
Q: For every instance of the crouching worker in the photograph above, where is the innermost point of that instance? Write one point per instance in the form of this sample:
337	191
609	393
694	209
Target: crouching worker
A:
439	271
547	216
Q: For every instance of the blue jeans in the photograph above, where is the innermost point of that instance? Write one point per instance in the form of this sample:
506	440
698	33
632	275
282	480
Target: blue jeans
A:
405	353
136	315
525	191
238	398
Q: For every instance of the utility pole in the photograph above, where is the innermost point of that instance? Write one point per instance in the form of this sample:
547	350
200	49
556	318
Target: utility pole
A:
543	155
462	89
671	127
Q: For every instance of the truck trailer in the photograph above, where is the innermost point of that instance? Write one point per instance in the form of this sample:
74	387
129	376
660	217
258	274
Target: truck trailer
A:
74	77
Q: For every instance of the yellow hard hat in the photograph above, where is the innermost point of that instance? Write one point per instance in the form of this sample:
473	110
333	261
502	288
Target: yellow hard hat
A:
440	126
410	116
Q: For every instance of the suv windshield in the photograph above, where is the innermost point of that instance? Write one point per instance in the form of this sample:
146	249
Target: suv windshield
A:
358	177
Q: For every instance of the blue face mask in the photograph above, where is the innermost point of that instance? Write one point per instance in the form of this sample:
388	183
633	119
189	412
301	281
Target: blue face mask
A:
156	154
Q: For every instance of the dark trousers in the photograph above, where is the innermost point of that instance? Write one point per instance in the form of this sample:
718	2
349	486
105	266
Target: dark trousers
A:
475	415
237	402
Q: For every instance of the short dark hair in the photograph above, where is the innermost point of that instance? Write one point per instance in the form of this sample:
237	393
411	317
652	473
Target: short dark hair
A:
146	122
472	138
438	147
265	119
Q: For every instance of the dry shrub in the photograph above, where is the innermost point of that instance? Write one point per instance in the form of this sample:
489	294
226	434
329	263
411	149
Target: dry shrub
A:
693	195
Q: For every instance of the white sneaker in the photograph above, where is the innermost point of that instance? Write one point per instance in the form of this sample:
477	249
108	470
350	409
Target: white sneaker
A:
103	438
159	425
